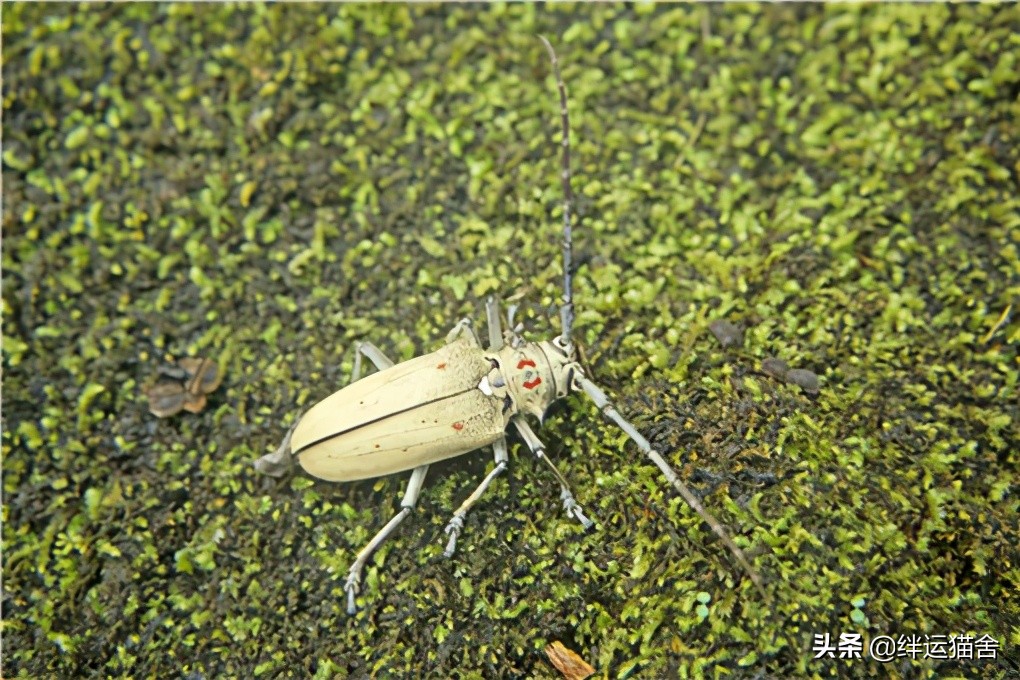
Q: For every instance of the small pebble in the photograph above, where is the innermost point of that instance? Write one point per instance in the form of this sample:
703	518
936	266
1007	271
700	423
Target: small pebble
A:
805	379
776	368
726	332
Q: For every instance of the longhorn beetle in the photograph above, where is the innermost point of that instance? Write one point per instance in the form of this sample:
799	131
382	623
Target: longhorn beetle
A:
455	400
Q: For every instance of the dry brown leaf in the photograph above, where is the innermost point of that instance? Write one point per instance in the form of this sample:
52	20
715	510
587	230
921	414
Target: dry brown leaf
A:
194	403
183	387
203	374
567	662
166	398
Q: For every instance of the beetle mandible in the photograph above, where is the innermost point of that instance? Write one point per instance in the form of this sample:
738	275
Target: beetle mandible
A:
457	399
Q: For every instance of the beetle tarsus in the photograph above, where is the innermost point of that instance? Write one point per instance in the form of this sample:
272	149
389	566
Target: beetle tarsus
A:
352	586
574	509
278	462
453	529
532	441
406	506
457	522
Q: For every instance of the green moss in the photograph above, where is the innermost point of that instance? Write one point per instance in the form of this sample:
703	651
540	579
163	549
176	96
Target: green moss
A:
269	184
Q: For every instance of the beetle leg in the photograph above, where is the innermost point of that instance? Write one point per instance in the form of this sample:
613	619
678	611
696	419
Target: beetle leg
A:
457	522
278	462
607	408
353	582
374	354
535	444
495	326
463	328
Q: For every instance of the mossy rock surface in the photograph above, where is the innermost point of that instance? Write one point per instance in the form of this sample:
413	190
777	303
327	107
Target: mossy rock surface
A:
267	185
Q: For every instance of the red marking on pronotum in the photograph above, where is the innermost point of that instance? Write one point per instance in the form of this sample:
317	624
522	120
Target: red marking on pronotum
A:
532	384
525	362
458	426
441	366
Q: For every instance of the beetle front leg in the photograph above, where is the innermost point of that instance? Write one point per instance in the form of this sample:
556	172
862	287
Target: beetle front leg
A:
453	529
278	462
353	583
535	444
495	327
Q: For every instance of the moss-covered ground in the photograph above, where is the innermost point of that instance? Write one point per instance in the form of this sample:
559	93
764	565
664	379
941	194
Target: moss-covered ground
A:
266	185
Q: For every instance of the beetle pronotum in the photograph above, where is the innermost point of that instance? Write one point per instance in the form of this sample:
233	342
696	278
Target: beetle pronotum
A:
457	399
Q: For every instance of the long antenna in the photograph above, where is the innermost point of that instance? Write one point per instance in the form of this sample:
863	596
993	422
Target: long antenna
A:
567	309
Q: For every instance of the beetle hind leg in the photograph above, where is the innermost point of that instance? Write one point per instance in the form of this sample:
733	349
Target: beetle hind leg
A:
456	523
353	583
278	462
535	444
